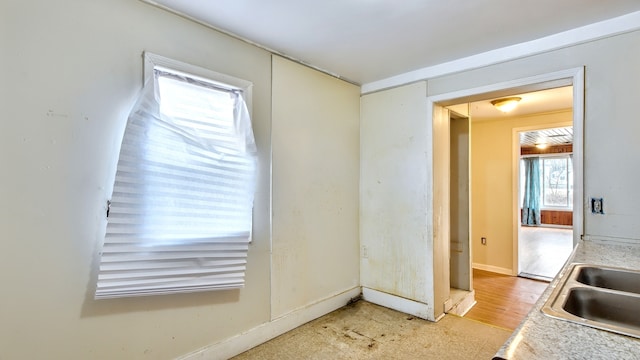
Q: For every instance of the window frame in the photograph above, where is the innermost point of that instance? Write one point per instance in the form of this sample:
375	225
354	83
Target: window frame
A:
543	205
153	61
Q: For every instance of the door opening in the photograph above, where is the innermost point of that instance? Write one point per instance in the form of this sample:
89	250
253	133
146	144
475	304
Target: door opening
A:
545	236
439	117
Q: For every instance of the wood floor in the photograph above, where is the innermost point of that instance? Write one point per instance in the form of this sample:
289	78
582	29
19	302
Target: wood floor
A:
503	300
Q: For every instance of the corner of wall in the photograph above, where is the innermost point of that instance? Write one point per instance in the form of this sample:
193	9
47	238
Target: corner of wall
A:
240	343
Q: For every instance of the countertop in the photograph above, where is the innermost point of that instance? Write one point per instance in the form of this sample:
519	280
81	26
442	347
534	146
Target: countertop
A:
543	337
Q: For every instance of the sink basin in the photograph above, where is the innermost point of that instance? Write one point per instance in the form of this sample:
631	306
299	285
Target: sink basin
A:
601	297
612	309
610	278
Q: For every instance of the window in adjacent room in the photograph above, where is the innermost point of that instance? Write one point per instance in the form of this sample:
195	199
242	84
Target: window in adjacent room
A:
180	217
555	179
557	182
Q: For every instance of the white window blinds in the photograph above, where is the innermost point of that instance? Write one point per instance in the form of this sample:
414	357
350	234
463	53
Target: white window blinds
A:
180	216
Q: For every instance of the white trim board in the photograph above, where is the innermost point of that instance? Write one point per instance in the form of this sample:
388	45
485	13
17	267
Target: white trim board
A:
407	306
240	343
538	82
615	26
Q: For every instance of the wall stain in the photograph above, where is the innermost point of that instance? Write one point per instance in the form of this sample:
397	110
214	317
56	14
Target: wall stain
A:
52	113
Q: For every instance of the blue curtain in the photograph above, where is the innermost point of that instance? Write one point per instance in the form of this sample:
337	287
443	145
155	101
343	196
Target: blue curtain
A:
531	203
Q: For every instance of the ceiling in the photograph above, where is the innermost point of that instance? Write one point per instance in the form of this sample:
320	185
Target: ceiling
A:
369	40
551	137
532	103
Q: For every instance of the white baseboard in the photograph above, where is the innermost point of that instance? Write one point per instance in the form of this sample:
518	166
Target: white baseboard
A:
492	268
240	343
412	307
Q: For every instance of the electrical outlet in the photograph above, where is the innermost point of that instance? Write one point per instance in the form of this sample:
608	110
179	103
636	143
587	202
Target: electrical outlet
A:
596	206
483	240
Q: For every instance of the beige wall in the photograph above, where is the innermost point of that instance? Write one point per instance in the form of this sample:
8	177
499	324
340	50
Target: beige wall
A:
315	186
71	71
492	185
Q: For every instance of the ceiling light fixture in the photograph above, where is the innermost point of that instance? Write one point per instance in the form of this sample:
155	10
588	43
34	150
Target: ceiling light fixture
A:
542	145
506	104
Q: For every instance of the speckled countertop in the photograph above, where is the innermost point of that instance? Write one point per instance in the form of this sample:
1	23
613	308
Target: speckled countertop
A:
543	337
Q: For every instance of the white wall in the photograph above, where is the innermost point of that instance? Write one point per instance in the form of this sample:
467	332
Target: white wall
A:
612	88
315	186
70	73
395	168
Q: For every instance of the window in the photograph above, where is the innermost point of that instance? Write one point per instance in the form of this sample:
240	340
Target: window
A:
557	182
180	215
556	179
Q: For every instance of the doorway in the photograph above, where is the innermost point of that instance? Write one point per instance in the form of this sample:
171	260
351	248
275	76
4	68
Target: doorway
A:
546	194
441	194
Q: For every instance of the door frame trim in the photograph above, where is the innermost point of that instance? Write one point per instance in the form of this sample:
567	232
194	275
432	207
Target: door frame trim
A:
572	76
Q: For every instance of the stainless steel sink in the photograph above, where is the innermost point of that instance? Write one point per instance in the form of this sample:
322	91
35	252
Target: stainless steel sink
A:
602	297
610	278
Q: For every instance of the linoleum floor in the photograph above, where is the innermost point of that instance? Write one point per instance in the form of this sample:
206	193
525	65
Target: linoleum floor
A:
366	331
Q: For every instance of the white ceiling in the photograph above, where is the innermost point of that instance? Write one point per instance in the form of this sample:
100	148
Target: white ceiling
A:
368	40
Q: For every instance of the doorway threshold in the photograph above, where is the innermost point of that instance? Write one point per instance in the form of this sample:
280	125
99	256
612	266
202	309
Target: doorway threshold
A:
535	277
461	301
